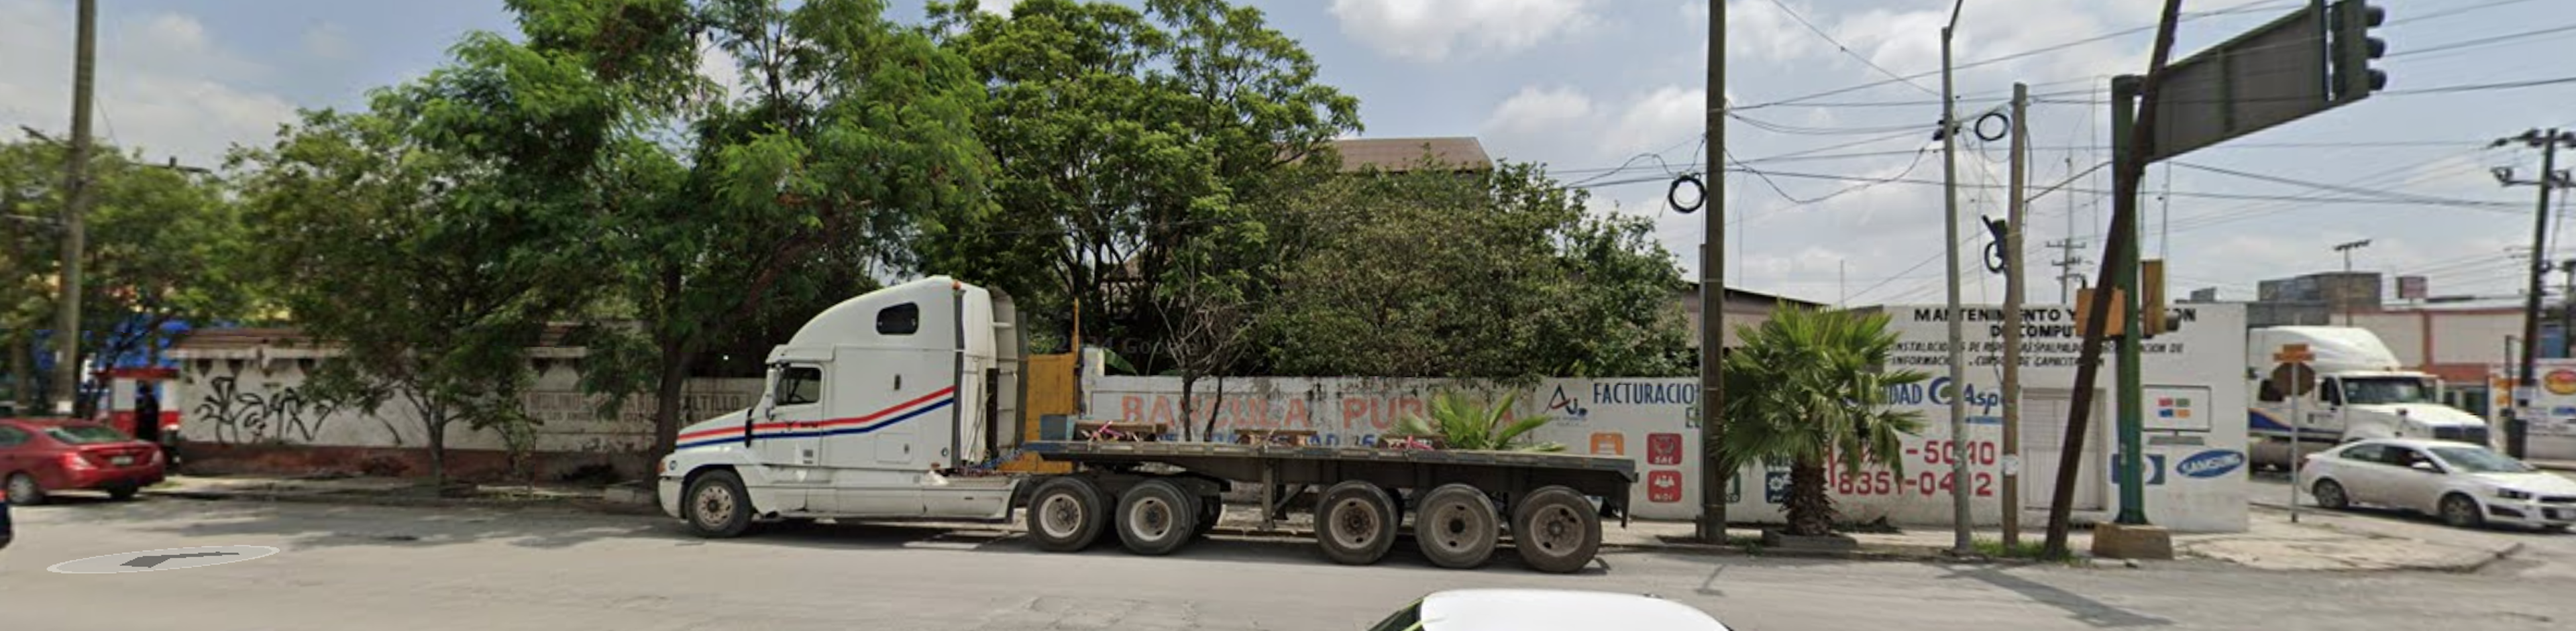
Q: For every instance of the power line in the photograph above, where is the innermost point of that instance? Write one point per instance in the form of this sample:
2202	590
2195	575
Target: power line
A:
2190	194
2483	41
2356	190
1846	50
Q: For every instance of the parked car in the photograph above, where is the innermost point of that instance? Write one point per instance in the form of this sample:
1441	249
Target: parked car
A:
1545	610
39	457
2467	485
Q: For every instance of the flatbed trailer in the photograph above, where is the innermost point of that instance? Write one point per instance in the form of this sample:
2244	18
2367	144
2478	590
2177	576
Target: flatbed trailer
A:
1157	496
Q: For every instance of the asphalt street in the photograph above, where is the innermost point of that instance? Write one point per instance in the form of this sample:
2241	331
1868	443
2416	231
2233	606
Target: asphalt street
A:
373	568
2538	555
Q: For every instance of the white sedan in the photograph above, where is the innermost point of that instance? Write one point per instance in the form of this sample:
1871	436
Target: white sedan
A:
2466	485
1545	610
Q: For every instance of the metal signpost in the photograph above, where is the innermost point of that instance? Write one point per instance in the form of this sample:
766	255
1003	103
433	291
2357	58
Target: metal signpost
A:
2295	377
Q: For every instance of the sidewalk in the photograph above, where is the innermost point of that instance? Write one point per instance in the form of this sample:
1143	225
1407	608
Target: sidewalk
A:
2322	541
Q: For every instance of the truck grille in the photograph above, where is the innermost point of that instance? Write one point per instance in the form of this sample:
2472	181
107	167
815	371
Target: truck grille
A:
2463	434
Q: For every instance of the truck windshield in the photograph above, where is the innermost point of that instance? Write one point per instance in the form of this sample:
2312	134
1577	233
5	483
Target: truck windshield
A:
2386	390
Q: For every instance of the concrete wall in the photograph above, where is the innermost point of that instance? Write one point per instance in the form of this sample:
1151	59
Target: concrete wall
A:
2196	402
2552	433
251	403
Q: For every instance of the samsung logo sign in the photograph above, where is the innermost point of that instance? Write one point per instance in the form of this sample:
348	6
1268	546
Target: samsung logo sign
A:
2210	464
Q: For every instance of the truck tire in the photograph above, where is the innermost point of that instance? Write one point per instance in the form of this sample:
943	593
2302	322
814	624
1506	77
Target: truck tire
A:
1065	514
1556	530
1355	523
716	506
1156	517
1457	527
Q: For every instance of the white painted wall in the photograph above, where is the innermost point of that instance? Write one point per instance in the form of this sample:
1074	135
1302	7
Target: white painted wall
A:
247	397
2552	433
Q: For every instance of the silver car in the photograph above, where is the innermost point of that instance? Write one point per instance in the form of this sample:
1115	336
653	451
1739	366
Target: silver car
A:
2466	485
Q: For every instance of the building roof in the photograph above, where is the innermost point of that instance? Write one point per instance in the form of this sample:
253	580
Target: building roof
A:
1740	294
1404	154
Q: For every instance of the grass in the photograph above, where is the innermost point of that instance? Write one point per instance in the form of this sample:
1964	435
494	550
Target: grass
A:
1750	544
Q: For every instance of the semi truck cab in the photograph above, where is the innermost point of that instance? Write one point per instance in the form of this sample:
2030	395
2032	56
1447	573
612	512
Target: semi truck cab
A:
875	409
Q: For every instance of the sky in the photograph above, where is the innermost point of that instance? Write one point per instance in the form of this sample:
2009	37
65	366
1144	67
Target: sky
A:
1842	203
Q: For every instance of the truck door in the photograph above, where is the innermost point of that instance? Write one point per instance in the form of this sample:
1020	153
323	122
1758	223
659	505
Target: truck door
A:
783	436
2331	413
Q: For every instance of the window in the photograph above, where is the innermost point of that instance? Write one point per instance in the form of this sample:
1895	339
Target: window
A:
11	436
2332	394
2480	460
2387	390
85	434
1406	619
2403	458
902	319
2269	392
799	385
2375	454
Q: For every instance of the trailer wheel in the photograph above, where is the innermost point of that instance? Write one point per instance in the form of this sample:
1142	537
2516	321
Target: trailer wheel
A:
716	505
1457	527
1556	530
1064	514
1355	523
1156	517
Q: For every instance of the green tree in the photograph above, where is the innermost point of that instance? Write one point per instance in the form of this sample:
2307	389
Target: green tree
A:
850	135
1809	388
1436	272
1465	425
433	237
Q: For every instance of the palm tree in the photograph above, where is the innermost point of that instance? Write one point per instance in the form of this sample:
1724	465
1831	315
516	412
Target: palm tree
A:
1808	388
1464	425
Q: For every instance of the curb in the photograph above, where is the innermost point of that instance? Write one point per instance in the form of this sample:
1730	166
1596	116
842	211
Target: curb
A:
593	505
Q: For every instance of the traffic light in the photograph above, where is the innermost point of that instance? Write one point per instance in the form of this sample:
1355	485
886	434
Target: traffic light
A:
2353	49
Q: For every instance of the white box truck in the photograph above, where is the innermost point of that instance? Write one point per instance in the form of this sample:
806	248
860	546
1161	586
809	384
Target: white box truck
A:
2360	391
894	404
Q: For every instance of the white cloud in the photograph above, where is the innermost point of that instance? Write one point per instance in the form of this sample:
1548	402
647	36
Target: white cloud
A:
1658	119
1435	30
1535	110
165	86
1002	7
328	41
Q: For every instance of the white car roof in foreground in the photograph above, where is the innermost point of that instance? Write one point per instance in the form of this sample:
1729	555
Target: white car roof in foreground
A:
1558	610
2418	443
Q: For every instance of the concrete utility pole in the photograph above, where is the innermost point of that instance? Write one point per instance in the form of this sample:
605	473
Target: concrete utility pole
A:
2015	274
1712	292
2567	310
2346	249
67	324
1959	509
2515	427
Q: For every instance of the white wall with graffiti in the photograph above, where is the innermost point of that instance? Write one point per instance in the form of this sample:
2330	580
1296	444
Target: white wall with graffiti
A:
257	396
2195	425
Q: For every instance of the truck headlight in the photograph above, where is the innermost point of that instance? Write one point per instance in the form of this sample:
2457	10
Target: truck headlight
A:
2512	494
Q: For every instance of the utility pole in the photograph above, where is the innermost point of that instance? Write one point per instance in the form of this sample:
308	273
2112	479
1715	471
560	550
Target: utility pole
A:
2516	427
67	324
2567	311
1712	293
2014	273
2067	259
2346	249
1959	509
2125	92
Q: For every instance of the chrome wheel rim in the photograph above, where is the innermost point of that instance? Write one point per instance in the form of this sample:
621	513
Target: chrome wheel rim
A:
1060	516
22	488
2330	494
2458	511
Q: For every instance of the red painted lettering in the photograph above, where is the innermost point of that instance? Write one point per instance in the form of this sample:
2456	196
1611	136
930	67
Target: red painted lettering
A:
1131	408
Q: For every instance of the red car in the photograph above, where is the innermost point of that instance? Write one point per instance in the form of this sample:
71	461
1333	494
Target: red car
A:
39	457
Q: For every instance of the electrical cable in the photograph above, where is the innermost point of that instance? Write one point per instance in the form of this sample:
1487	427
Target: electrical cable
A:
1846	50
2483	41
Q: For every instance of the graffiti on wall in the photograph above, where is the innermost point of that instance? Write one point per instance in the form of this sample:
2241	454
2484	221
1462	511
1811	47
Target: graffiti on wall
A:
248	417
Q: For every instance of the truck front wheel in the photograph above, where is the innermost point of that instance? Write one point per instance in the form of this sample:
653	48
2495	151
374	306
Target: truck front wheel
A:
1156	517
1457	527
1355	523
1064	514
716	505
1556	530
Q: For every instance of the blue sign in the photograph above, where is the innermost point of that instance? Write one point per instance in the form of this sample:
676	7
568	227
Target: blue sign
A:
2211	464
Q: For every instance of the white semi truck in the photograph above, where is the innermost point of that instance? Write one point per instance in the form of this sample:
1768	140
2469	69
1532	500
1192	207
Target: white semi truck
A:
890	406
2360	391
